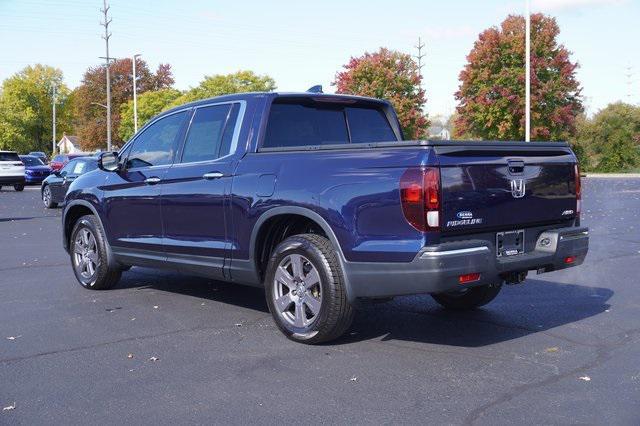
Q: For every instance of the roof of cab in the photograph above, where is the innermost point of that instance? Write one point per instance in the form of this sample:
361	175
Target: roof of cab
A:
255	95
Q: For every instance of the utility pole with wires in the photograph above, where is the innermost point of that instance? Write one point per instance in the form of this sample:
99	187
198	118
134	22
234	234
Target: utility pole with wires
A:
419	56
106	36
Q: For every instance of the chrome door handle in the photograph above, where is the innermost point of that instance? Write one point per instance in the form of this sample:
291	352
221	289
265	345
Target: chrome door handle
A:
212	175
152	180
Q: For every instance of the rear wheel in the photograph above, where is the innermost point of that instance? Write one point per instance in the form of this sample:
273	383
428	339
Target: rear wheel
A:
18	187
88	250
305	290
47	198
468	298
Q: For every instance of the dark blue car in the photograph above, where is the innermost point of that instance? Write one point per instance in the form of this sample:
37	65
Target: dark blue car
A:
318	199
35	171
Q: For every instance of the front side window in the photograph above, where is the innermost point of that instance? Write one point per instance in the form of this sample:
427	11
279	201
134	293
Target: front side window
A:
205	134
155	146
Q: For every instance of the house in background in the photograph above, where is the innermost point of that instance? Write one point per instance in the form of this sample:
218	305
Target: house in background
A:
439	132
68	144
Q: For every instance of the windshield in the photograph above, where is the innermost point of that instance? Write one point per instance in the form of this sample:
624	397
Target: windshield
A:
31	161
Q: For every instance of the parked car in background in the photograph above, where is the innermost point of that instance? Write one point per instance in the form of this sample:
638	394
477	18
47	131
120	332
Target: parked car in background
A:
41	155
11	170
61	160
55	187
319	200
35	171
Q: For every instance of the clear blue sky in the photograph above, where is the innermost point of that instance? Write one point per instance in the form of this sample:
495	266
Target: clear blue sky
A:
302	43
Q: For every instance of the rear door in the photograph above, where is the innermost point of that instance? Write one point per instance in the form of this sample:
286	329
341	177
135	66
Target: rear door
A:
196	189
506	185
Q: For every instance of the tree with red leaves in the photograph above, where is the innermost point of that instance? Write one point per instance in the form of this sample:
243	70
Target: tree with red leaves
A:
90	123
390	75
492	91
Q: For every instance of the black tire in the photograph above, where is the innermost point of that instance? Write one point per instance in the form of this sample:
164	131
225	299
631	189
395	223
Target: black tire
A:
18	187
335	313
104	276
47	198
469	298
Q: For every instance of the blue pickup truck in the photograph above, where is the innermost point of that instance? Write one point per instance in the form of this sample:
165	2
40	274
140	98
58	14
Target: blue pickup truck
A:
319	200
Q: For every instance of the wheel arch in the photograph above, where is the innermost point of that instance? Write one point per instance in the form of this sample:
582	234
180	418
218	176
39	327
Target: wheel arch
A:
262	229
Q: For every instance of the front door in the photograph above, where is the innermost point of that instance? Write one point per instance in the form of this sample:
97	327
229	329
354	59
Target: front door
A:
132	195
195	191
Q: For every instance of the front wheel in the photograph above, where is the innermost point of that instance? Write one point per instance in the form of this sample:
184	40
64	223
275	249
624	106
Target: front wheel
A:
18	187
89	259
468	298
47	198
305	290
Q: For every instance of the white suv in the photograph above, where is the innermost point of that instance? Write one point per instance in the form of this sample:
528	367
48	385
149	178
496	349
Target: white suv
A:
11	170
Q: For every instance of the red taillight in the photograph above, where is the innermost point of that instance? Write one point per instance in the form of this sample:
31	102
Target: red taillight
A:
576	171
468	278
420	197
569	259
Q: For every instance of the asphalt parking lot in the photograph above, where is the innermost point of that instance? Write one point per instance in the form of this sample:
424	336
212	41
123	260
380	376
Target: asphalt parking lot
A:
165	348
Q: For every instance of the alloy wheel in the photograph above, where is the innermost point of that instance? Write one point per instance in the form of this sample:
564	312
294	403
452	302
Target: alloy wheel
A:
297	291
46	196
85	254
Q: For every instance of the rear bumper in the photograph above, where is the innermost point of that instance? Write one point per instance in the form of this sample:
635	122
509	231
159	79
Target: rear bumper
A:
437	269
12	180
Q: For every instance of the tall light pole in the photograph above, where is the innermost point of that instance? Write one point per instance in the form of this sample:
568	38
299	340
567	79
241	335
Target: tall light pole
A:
53	133
135	96
527	78
106	36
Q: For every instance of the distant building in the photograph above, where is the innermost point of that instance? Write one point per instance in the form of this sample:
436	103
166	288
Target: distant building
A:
439	132
68	144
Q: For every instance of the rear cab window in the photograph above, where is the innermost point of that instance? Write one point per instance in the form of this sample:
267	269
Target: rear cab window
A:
299	122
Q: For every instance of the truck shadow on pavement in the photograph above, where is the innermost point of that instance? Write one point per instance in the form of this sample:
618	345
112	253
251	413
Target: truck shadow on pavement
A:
533	307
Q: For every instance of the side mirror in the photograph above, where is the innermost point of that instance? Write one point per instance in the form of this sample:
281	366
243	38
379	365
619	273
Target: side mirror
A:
108	161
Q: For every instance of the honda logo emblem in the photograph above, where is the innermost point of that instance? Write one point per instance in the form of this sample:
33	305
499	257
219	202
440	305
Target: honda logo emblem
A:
518	188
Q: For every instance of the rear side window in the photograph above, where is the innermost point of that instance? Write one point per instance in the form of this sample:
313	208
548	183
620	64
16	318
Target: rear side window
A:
9	156
307	123
206	133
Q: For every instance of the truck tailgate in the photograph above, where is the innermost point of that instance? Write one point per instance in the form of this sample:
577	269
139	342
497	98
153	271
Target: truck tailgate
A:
505	185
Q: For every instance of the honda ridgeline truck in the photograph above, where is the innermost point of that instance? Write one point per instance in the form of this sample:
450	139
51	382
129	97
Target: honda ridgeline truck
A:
319	200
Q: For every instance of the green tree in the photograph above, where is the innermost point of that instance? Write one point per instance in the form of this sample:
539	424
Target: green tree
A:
91	124
224	84
26	109
610	139
390	75
150	104
491	96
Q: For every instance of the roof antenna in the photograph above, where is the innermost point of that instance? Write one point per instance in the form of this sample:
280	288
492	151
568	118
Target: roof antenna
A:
315	89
